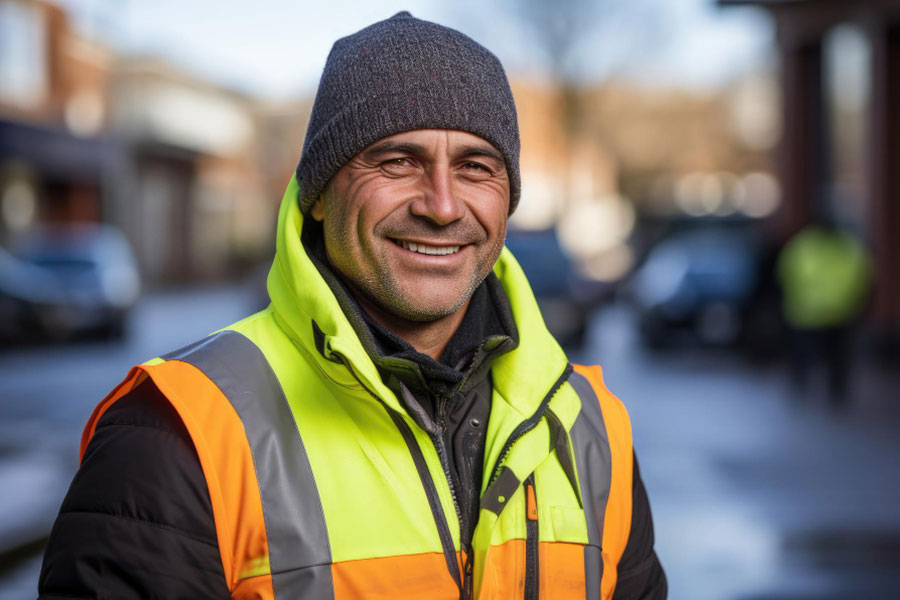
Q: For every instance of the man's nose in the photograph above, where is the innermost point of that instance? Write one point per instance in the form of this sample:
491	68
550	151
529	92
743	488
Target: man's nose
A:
439	200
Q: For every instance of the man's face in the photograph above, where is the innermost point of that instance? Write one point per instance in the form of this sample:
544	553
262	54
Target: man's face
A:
417	220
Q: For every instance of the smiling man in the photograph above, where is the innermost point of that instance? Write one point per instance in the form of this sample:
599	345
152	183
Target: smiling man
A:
413	224
398	423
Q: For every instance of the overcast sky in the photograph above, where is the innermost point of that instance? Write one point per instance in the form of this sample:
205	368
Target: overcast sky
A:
277	49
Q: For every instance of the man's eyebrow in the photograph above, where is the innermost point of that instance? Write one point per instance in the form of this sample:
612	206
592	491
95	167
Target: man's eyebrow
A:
401	147
479	150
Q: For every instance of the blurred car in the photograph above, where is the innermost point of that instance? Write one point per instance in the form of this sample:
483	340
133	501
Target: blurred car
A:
565	296
702	284
62	281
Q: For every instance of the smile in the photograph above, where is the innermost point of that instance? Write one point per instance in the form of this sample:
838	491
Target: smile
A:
425	249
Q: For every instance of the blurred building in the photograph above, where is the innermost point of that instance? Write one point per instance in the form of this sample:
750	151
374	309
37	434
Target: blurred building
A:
55	154
170	158
193	171
685	152
282	127
840	151
637	150
190	191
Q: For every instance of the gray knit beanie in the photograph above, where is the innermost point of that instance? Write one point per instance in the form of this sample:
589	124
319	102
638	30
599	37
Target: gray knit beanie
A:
398	75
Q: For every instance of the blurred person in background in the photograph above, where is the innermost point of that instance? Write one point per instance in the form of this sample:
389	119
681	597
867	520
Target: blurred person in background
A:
398	422
824	274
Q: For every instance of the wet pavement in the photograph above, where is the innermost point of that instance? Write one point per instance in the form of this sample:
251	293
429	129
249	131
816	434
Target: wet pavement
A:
756	495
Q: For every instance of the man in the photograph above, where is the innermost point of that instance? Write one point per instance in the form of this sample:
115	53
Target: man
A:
398	423
824	276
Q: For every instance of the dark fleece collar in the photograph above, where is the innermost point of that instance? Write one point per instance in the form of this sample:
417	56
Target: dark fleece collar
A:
487	331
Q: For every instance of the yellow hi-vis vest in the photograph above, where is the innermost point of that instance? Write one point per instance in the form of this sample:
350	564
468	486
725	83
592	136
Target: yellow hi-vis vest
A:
322	486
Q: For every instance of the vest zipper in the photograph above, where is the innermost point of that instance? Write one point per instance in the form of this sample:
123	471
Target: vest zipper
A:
532	554
431	493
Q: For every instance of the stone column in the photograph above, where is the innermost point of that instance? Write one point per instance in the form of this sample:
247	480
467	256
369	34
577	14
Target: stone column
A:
802	150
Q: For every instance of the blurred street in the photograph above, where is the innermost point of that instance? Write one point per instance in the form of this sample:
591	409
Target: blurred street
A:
755	495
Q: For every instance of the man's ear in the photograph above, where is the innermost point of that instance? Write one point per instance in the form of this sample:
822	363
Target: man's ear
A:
317	211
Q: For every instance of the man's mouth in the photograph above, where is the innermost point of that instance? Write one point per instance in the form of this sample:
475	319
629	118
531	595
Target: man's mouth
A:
426	249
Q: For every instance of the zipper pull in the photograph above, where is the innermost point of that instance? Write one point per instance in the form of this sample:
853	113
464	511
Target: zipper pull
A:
531	501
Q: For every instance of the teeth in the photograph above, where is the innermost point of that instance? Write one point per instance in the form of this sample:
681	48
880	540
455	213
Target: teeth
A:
432	250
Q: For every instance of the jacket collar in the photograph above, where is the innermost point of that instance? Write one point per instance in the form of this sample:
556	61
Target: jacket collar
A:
487	331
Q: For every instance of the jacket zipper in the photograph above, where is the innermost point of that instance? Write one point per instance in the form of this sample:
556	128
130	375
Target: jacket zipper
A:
431	493
532	555
438	441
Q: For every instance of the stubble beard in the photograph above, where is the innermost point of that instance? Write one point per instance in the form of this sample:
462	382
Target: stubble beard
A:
385	291
391	299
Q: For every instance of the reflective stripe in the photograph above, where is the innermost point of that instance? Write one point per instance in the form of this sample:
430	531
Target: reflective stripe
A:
611	421
594	464
299	551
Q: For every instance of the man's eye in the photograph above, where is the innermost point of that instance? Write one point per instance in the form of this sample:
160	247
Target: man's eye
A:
476	166
396	162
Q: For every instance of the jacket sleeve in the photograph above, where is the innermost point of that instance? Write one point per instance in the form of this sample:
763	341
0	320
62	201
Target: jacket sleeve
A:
641	576
137	521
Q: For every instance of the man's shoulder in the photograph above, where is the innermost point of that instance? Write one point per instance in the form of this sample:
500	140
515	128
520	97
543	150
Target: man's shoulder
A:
230	354
139	440
139	498
143	406
594	375
614	412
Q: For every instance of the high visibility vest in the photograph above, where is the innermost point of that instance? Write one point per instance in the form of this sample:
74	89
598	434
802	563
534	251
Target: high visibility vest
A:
825	277
329	491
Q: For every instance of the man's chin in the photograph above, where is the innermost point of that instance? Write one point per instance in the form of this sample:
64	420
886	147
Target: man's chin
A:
423	311
408	305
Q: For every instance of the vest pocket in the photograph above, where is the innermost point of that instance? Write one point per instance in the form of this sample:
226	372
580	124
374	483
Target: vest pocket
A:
568	524
532	558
